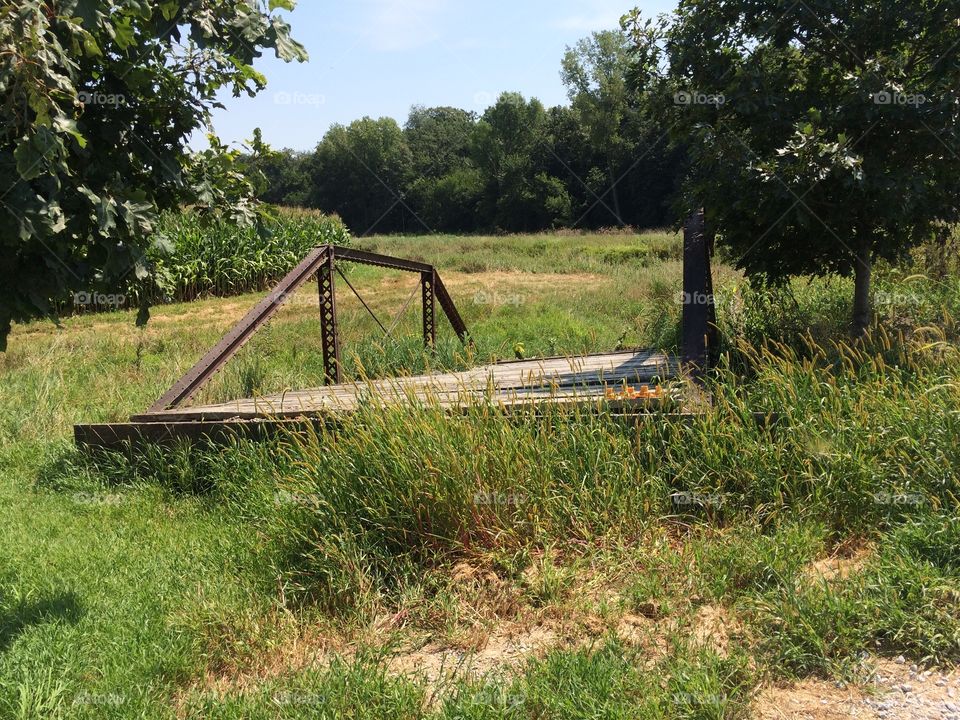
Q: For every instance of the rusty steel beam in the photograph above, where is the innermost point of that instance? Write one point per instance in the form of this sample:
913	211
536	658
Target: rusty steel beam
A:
449	309
321	262
368	258
238	336
329	336
427	282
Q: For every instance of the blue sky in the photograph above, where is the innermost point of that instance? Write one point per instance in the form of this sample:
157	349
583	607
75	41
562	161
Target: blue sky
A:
379	57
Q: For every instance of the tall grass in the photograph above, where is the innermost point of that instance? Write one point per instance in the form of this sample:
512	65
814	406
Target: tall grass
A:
357	507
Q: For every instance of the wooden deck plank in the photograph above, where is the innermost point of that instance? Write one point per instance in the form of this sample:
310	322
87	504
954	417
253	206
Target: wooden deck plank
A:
576	379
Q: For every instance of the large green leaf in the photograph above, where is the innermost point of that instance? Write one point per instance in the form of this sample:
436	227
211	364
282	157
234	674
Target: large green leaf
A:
117	157
34	153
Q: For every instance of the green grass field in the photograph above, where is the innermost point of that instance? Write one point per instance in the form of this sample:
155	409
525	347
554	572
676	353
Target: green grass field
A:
412	565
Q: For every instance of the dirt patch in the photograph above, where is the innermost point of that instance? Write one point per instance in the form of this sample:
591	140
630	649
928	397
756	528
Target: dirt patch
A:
907	691
315	648
714	627
498	630
641	631
507	647
893	689
811	700
484	594
847	560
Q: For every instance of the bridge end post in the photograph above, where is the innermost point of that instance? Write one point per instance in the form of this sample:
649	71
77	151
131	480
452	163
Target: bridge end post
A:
698	313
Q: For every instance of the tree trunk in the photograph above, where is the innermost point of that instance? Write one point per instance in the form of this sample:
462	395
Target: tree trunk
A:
863	267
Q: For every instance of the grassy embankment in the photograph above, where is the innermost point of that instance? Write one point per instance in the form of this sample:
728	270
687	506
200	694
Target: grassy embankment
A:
578	567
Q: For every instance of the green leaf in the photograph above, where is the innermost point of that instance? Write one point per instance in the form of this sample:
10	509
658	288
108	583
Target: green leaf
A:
162	245
169	9
34	153
90	46
285	4
123	30
57	221
67	125
287	48
89	194
107	216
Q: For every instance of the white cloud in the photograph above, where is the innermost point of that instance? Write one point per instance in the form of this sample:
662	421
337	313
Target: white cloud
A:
395	25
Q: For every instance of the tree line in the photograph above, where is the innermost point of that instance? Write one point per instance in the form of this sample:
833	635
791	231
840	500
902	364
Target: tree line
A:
517	166
816	140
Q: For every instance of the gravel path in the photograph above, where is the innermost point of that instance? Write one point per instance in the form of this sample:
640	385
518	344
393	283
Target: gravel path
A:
894	690
915	694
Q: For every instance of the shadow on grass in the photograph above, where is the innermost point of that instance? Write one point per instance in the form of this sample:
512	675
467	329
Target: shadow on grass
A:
184	468
26	614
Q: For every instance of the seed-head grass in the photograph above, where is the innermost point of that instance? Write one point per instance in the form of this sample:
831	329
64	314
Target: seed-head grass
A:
357	509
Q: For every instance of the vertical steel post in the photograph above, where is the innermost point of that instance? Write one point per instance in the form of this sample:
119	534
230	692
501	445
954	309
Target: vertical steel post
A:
697	296
428	281
713	330
328	319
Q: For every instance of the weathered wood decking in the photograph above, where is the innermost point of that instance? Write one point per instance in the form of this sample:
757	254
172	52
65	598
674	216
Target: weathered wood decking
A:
583	379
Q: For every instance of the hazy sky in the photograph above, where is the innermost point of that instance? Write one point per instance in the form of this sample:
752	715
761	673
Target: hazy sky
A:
379	57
